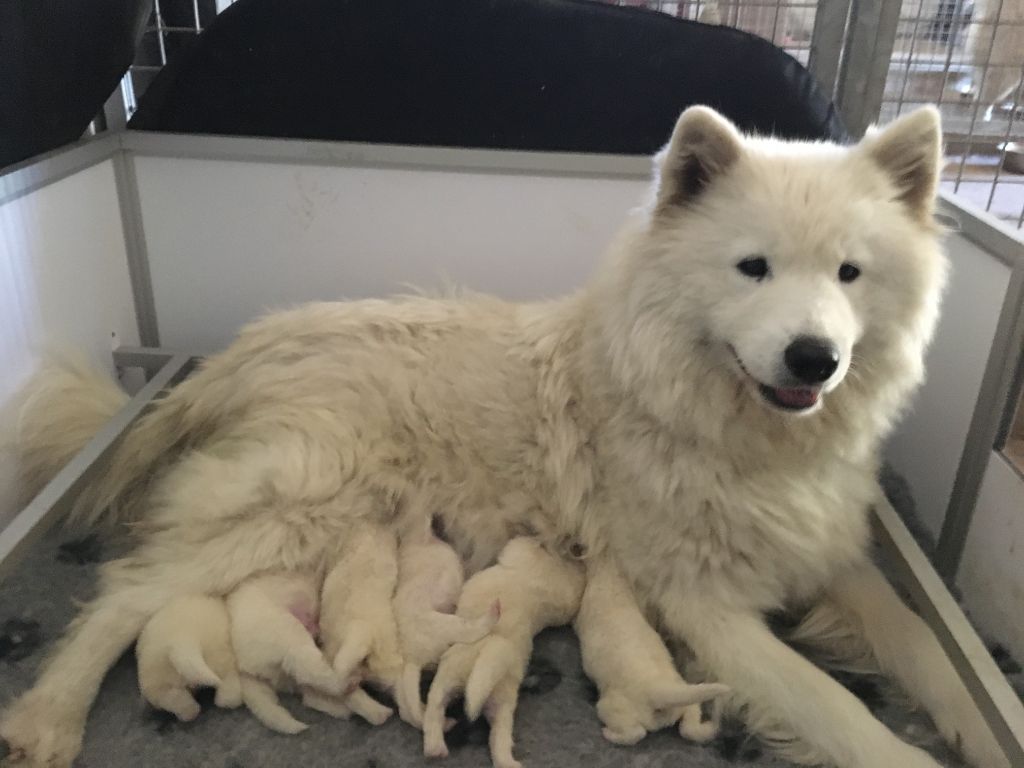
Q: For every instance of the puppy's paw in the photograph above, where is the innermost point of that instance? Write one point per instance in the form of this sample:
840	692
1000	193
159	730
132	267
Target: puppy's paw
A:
693	727
40	733
624	737
228	693
434	749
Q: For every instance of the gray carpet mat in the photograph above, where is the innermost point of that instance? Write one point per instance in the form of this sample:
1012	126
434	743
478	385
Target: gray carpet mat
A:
556	726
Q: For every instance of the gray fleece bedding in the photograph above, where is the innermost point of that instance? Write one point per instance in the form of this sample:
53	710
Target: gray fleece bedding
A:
556	726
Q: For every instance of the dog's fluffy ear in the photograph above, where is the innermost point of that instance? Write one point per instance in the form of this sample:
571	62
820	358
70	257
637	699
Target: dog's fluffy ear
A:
909	150
703	145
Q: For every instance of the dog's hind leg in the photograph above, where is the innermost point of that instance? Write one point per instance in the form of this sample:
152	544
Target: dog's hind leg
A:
262	701
792	704
45	726
409	695
304	663
693	726
354	649
621	725
451	675
500	712
178	701
368	708
907	649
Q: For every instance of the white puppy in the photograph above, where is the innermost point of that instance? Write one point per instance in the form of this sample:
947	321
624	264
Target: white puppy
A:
430	579
273	630
357	622
641	690
536	590
187	645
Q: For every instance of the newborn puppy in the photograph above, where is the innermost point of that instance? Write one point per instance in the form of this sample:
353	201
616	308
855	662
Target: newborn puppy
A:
429	583
357	619
187	644
536	590
273	631
641	690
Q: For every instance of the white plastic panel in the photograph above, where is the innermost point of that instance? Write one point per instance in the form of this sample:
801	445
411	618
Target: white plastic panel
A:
992	570
63	283
230	240
927	445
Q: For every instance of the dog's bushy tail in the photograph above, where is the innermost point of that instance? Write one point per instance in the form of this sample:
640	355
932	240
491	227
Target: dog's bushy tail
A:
63	406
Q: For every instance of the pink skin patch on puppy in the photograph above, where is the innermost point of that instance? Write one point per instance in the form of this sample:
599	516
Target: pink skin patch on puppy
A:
309	619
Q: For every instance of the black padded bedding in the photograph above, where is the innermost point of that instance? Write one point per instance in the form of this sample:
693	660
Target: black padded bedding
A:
555	75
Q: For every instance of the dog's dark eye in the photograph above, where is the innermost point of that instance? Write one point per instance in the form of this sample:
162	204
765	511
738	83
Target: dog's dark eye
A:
848	272
755	267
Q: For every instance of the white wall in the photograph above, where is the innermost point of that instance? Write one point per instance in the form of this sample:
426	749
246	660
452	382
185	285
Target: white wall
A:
927	445
63	283
992	570
243	238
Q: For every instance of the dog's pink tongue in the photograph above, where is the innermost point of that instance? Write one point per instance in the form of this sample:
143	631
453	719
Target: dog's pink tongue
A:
799	397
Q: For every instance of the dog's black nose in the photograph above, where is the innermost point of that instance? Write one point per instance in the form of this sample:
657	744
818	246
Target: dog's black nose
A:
812	360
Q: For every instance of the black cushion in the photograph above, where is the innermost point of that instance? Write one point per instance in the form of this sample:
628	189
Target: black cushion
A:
59	61
563	75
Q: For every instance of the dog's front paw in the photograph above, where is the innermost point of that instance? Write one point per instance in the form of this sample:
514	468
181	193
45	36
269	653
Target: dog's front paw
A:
40	733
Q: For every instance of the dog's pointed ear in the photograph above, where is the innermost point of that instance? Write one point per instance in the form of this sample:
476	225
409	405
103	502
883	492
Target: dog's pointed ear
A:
703	145
909	150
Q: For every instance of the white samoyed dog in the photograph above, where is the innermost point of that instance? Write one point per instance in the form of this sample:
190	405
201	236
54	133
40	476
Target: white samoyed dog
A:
709	408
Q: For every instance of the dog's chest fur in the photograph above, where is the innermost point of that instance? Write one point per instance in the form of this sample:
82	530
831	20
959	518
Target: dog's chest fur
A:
686	520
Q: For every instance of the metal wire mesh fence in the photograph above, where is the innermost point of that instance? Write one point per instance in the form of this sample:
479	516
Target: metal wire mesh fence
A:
787	23
967	56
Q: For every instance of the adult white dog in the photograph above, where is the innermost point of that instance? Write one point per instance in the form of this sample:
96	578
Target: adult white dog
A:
709	407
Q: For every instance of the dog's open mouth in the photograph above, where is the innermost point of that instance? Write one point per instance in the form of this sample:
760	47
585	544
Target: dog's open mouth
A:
790	399
793	399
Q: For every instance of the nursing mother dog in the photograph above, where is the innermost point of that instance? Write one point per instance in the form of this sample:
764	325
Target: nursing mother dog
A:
707	411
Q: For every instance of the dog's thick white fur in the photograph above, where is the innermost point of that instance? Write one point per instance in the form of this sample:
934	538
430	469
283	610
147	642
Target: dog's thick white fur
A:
357	619
187	645
640	414
640	688
535	590
430	578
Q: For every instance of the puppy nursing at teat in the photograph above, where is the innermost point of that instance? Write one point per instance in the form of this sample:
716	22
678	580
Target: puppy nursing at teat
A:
357	619
627	660
187	645
536	590
430	579
273	630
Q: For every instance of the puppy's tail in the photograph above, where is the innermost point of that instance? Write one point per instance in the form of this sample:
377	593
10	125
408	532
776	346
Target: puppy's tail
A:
670	695
453	628
262	701
496	659
187	659
62	407
480	627
355	649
